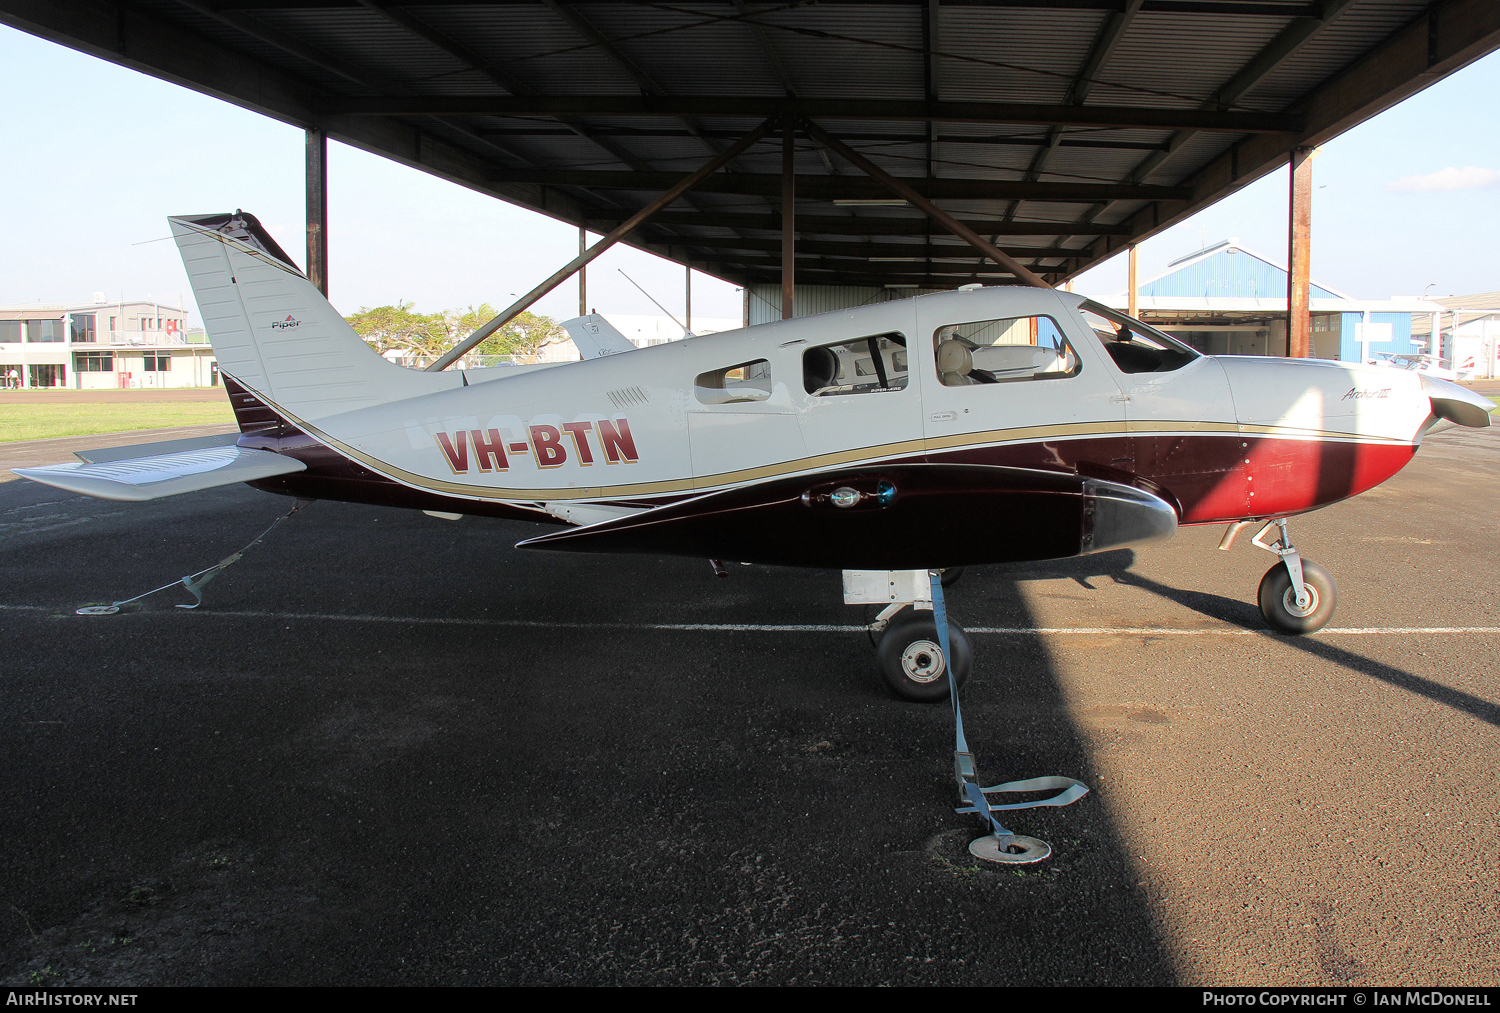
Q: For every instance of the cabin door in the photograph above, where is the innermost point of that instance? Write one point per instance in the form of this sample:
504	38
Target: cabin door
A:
1026	389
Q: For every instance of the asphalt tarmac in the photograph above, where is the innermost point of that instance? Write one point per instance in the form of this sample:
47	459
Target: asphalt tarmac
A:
393	749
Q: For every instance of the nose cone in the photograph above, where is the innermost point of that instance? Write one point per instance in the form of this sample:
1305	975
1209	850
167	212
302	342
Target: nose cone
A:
1116	515
1457	404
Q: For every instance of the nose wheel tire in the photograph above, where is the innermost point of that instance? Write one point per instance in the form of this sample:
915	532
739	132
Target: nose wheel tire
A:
912	663
1278	600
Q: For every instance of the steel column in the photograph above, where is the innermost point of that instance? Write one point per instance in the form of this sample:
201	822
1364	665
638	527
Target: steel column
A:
1135	302
583	274
1299	243
317	209
624	229
788	217
687	288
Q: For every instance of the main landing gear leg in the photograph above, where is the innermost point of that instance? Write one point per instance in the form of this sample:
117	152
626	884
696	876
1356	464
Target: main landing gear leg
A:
1296	595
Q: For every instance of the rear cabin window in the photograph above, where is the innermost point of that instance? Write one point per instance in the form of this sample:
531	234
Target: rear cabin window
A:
1134	346
861	366
1003	351
747	381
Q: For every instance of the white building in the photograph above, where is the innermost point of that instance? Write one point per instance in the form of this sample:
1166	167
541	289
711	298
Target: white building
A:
1469	327
103	345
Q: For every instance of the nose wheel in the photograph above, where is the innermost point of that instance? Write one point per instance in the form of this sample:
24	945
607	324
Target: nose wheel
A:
1296	595
1279	604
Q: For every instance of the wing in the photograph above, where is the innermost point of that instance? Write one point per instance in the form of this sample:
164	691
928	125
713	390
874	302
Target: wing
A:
145	478
894	517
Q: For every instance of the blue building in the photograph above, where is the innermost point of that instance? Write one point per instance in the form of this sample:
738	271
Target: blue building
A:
1229	300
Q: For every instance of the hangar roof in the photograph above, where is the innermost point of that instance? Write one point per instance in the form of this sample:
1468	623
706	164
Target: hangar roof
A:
1064	129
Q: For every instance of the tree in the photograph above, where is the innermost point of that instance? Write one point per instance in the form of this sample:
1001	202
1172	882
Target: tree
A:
398	328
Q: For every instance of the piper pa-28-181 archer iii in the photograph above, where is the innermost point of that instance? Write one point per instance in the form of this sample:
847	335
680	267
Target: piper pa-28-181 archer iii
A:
868	440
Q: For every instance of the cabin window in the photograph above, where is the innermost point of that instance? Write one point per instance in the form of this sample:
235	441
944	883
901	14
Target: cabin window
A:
1003	351
1135	347
748	381
861	366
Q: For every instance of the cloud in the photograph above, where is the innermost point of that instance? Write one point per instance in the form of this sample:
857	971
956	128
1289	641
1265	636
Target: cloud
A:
1470	177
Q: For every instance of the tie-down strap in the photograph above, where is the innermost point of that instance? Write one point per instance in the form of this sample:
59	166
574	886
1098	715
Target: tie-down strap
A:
1071	792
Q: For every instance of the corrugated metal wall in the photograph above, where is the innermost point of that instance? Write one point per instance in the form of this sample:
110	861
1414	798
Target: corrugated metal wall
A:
1239	275
807	300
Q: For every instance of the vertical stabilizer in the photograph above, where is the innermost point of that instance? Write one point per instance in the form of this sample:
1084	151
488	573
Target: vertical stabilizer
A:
594	336
275	333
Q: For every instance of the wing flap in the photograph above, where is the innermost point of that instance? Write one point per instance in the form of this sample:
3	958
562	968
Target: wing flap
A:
145	478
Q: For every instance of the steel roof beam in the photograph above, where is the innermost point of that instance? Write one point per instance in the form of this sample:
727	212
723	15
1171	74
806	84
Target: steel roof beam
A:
499	75
1022	140
1105	41
856	249
1122	117
829	225
1244	8
847	187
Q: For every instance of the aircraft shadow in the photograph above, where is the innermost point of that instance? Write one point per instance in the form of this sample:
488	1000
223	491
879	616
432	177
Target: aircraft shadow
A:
1117	566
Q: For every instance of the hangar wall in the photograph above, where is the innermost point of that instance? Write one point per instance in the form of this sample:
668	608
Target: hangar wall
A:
765	299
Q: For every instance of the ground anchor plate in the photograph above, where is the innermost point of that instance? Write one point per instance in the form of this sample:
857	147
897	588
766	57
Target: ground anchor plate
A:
1026	850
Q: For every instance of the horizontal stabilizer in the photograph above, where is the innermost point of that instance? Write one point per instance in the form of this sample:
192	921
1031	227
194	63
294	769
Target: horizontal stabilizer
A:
135	450
142	478
594	336
889	517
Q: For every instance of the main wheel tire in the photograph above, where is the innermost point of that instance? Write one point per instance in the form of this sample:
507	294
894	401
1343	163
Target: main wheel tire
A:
911	662
951	575
1278	602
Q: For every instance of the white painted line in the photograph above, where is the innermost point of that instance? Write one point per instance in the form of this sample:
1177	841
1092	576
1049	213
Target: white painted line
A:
1086	631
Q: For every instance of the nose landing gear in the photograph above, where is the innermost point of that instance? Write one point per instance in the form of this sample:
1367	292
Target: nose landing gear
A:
1296	595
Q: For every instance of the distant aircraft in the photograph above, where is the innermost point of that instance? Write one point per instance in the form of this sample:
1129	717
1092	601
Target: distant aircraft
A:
892	441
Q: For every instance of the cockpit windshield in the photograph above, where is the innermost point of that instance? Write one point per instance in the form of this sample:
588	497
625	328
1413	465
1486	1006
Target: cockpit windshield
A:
1135	347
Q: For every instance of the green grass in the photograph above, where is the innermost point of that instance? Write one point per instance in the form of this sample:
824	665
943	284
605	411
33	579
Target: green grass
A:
46	421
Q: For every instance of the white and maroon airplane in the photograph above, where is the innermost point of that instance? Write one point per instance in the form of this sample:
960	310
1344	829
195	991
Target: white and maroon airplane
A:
985	425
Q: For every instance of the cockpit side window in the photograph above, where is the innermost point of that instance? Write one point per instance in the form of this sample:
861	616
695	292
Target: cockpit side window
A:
1003	351
861	366
747	381
1135	347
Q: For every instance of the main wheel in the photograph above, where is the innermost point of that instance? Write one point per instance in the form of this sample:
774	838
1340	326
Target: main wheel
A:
912	663
951	575
1278	601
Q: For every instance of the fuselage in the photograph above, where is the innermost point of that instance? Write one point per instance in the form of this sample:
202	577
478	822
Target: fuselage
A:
1221	439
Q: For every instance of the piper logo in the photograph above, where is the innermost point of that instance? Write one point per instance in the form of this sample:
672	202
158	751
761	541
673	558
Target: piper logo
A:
547	445
287	324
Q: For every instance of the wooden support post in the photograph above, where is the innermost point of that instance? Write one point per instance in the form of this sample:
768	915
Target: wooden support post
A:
1299	256
1135	302
583	273
788	217
619	232
317	209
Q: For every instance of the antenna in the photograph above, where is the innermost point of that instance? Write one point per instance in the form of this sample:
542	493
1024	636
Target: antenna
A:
685	332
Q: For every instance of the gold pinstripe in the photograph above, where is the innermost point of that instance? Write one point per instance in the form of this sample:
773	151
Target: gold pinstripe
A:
959	441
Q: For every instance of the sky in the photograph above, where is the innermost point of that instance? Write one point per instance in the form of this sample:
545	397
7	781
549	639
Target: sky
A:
1404	204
